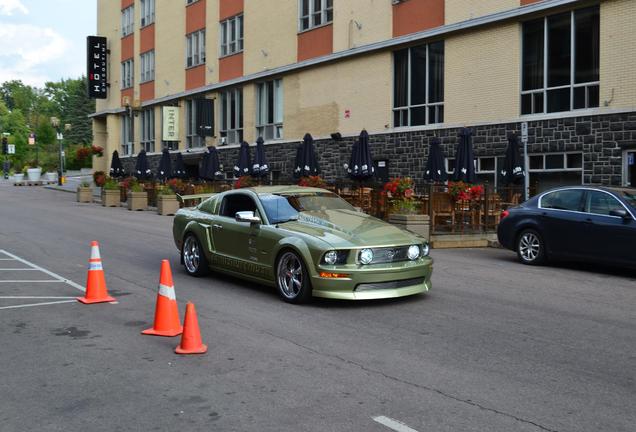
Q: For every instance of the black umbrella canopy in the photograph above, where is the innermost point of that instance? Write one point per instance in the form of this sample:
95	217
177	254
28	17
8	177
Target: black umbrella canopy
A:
244	164
116	167
354	151
260	168
513	170
214	167
142	168
361	159
465	158
203	165
165	166
179	167
435	169
307	162
298	160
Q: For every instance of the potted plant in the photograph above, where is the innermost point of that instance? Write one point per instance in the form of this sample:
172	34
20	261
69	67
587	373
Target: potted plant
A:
312	181
18	175
404	209
110	193
84	192
167	203
34	172
137	197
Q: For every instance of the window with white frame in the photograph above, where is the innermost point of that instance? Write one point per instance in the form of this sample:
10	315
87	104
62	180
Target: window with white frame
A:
195	48
314	13
418	85
147	124
232	116
269	109
556	162
232	35
147	66
147	12
127	21
127	147
127	73
560	62
192	138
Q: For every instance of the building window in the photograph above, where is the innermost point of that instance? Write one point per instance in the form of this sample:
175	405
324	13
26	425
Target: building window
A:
195	48
127	73
418	85
192	138
148	130
560	63
269	110
147	66
314	13
191	1
147	12
127	21
232	116
232	35
127	146
556	162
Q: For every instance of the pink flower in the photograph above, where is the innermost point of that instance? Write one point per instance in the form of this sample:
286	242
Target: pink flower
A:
408	193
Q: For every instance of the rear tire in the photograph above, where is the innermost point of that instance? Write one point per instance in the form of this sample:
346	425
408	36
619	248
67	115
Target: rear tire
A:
292	278
193	257
530	248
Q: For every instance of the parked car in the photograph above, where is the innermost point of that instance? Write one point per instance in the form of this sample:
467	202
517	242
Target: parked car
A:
304	241
575	223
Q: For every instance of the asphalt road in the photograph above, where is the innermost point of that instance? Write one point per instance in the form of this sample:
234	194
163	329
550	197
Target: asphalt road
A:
495	346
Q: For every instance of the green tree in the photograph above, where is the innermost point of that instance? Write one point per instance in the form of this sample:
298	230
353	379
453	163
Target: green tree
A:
70	100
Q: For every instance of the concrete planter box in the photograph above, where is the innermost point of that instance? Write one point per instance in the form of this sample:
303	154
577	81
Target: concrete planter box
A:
34	174
418	224
167	205
50	177
110	197
84	194
137	201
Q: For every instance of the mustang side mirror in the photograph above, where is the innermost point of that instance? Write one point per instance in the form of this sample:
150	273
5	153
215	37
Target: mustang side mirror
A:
622	213
247	216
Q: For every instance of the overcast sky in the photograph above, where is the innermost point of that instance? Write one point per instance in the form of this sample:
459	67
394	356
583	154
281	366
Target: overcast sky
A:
44	40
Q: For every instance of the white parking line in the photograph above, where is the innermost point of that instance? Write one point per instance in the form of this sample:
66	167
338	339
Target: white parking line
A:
32	281
34	297
38	304
393	424
43	270
20	269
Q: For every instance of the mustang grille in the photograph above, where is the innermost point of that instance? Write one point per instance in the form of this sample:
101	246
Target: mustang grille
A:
389	255
389	285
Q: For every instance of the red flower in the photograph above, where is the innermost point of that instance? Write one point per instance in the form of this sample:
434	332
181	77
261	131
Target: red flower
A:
408	193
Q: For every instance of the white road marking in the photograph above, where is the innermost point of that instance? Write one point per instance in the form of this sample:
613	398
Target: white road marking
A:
7	259
393	424
32	281
34	297
20	269
43	270
38	304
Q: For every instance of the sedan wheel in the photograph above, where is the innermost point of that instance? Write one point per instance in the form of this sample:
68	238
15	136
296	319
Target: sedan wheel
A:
292	279
530	248
193	257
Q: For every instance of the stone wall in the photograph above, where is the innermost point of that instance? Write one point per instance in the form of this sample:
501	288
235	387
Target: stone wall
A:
601	139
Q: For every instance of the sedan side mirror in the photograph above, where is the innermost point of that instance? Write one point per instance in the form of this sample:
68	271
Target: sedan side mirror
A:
247	216
621	213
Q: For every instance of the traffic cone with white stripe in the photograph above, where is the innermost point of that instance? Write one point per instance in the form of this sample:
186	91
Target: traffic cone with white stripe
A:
96	291
167	321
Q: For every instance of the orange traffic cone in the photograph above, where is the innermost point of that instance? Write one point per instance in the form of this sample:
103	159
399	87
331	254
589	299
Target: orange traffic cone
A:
191	337
167	321
96	291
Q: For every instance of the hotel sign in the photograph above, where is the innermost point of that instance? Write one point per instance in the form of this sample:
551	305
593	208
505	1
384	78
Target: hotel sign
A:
96	66
170	122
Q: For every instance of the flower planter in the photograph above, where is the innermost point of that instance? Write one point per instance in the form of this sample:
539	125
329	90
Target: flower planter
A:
34	174
167	205
110	197
84	194
50	177
418	224
137	201
17	178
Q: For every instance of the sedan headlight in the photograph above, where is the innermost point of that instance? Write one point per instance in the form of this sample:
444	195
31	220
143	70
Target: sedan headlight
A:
414	252
366	256
425	249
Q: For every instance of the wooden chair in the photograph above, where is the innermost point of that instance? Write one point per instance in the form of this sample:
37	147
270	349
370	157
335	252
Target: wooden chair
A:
442	207
490	210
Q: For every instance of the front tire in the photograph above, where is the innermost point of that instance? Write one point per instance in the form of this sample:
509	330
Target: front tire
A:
193	257
530	247
292	278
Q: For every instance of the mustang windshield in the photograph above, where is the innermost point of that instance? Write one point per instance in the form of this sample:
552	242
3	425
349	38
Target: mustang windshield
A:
283	208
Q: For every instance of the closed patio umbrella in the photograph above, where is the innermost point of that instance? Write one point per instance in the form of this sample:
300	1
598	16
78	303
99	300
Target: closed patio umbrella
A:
116	167
361	160
435	169
465	158
203	165
179	167
260	168
214	167
165	166
513	169
307	164
142	168
243	166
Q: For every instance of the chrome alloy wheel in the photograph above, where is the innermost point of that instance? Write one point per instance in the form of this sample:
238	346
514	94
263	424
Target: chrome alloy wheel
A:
290	275
529	246
191	254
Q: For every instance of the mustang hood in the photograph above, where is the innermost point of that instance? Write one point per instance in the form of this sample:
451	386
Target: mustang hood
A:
350	229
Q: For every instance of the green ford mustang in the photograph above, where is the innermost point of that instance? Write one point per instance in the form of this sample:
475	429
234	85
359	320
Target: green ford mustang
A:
304	241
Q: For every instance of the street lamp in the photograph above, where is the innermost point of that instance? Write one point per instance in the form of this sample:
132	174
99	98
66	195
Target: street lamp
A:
55	122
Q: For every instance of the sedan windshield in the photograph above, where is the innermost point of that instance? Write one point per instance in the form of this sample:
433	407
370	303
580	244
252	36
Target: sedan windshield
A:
283	208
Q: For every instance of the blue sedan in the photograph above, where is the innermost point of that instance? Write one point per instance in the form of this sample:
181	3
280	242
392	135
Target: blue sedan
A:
582	223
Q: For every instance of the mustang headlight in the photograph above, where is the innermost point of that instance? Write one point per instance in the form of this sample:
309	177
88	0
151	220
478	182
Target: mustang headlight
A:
366	256
331	257
425	249
413	252
335	257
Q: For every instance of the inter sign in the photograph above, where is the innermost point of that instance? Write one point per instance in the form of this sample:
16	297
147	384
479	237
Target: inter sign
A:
96	65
